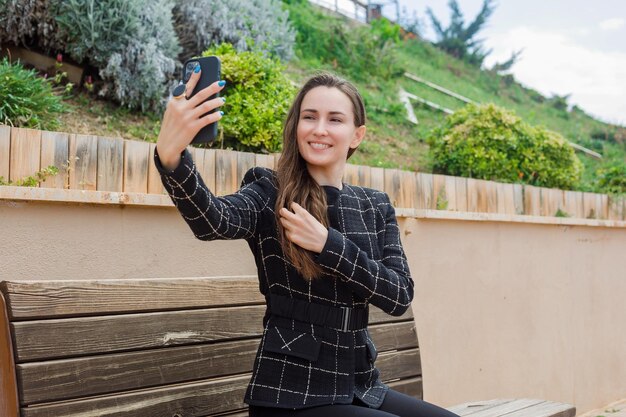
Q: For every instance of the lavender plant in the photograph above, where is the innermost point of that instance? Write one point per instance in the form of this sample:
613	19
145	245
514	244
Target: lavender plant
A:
249	25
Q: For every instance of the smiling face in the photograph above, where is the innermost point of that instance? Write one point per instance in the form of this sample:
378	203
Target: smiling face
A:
326	130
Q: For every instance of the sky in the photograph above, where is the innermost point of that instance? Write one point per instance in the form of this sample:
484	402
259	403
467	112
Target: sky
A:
575	47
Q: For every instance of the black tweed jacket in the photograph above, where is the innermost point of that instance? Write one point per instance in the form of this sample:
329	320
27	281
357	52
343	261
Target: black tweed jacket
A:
300	364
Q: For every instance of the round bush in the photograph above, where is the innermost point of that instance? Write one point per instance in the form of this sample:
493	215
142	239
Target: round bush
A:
611	178
258	96
27	100
488	142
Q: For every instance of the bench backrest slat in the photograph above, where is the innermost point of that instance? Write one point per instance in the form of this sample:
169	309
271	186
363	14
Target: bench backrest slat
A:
137	347
54	380
54	299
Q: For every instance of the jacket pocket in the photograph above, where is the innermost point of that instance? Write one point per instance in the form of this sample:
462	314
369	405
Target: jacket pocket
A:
292	343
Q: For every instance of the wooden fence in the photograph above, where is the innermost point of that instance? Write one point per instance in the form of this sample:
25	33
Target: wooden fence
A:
88	162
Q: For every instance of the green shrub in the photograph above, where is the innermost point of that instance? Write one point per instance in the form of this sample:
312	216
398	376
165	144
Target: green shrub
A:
258	96
33	180
133	43
361	52
27	100
611	178
258	25
491	143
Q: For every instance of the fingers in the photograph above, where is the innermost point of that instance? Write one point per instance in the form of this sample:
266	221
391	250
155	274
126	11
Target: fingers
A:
193	80
205	92
207	120
207	107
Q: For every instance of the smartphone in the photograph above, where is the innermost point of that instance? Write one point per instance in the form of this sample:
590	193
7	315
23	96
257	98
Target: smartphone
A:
210	67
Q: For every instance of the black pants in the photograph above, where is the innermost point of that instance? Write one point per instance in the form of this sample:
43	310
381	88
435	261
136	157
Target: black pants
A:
395	404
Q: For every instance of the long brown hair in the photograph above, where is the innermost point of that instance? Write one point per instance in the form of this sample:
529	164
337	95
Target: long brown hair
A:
295	184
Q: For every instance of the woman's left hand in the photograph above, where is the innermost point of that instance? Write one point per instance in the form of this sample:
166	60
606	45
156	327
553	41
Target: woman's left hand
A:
303	229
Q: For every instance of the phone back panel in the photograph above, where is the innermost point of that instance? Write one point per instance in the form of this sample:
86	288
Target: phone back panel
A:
210	72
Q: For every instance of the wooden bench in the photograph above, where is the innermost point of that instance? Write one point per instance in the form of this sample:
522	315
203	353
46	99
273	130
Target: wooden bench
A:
166	347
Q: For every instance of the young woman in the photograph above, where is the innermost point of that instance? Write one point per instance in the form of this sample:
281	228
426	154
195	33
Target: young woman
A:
324	250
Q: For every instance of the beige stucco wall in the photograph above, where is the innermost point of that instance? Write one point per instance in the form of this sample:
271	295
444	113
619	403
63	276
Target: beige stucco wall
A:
502	309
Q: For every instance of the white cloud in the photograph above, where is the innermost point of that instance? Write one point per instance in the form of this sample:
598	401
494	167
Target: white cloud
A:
554	63
612	24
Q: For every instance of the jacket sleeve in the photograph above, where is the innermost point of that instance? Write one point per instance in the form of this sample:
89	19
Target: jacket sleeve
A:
387	283
235	216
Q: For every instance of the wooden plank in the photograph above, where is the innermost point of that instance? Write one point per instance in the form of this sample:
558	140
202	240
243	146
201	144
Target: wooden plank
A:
364	176
399	364
155	185
616	208
425	198
110	164
57	299
491	190
198	155
358	175
83	162
25	153
410	386
8	383
5	151
472	195
589	206
506	198
518	198
55	148
225	172
552	200
208	169
408	189
136	160
351	174
377	178
573	203
393	184
532	200
264	160
603	205
63	338
192	399
437	87
460	190
245	161
468	408
439	192
79	377
390	336
450	186
208	398
379	316
506	408
544	409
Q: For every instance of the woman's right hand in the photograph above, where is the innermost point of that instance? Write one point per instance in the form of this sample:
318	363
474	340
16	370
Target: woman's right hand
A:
182	119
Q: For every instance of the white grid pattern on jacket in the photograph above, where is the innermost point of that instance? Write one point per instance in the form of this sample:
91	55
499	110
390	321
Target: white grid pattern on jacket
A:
363	251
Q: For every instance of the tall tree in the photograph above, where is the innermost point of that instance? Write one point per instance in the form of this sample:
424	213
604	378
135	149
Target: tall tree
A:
459	40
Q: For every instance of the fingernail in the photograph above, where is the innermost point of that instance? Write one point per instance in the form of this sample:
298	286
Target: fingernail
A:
197	69
223	99
221	83
221	113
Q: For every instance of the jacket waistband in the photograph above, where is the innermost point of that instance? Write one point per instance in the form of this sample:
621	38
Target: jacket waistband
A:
339	318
